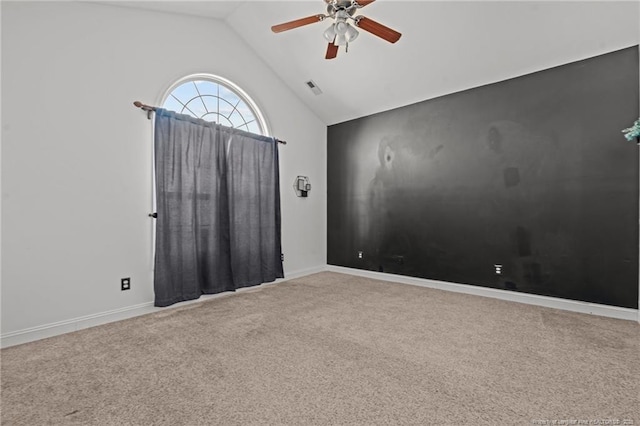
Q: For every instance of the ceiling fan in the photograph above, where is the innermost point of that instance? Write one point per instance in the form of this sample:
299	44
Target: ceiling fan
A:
340	33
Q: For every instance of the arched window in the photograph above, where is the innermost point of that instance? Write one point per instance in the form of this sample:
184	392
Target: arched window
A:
216	99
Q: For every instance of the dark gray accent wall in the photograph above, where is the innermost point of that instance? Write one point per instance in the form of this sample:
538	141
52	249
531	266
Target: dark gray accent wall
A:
531	173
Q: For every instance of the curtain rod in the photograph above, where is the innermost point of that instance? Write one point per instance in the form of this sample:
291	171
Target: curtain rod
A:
151	109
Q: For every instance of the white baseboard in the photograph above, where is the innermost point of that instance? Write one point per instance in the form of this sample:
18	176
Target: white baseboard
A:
530	299
67	326
291	275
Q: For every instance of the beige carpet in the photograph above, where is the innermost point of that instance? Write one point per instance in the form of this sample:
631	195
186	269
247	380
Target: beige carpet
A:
331	349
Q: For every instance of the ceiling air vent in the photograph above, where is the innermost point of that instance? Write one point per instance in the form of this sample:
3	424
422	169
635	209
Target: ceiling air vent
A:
314	88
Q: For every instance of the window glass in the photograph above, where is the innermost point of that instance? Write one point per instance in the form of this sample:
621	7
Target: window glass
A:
213	100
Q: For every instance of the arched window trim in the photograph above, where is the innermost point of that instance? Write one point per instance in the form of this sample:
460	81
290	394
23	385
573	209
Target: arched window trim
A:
229	84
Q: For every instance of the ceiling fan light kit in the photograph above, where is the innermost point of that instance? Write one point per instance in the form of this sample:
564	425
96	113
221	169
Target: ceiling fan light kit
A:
330	33
341	33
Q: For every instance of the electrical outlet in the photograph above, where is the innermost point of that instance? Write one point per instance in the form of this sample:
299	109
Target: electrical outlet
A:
282	257
125	284
498	268
360	255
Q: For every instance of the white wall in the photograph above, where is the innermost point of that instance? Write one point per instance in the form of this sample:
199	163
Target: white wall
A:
76	160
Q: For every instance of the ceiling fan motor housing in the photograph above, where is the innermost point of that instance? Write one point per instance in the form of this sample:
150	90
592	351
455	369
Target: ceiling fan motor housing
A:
345	5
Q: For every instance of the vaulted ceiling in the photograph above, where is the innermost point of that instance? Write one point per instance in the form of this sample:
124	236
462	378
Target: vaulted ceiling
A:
446	46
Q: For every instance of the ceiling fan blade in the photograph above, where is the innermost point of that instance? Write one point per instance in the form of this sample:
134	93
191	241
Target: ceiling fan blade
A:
363	3
297	23
332	51
377	29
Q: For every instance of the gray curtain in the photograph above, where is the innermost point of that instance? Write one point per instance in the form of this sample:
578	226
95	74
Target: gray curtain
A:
218	205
